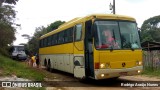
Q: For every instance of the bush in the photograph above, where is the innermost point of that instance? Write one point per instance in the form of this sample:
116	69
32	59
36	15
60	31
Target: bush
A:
4	52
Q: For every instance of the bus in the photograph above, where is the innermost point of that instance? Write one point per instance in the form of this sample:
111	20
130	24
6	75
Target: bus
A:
82	47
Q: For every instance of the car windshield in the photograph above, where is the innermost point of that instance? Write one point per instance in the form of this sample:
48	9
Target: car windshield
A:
116	35
20	48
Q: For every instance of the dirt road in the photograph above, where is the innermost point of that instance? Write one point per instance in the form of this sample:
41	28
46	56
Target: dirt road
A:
65	81
57	80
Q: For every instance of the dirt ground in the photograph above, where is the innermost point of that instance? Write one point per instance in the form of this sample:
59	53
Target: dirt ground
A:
109	84
67	81
57	80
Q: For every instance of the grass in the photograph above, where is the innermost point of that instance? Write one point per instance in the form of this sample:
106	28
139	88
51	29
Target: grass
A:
11	67
149	71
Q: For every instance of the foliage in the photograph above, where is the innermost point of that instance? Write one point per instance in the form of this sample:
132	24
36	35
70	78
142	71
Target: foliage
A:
33	44
54	25
149	71
150	30
7	29
8	1
11	67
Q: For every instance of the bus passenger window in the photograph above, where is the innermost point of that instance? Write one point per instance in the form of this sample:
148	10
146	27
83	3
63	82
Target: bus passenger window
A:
58	38
45	42
65	36
49	40
70	31
61	37
53	39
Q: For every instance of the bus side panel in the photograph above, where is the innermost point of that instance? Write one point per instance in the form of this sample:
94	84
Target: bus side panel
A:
60	56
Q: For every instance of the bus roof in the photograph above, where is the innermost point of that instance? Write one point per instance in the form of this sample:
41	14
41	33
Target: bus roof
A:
75	21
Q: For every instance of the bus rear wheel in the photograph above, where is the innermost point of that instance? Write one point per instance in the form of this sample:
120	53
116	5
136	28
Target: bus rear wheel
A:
45	63
49	66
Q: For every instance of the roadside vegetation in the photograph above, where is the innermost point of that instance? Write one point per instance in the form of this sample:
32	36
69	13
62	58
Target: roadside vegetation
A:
11	67
150	72
7	25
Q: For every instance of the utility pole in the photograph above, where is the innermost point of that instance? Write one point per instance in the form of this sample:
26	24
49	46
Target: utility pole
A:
113	7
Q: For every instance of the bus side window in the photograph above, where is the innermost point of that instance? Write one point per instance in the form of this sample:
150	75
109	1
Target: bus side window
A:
78	32
52	40
66	35
70	37
60	38
49	40
45	42
56	39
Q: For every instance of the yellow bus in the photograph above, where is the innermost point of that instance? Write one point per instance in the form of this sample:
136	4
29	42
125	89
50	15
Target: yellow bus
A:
97	46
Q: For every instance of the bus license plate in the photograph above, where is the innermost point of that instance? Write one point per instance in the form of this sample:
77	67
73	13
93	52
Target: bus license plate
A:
123	73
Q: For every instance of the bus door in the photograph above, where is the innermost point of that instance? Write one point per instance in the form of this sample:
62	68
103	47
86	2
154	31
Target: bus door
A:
88	43
78	58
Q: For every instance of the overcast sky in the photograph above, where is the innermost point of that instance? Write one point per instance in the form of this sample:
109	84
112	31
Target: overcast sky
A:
35	13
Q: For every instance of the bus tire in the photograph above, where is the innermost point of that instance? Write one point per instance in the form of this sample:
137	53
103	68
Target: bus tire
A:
84	79
49	66
45	63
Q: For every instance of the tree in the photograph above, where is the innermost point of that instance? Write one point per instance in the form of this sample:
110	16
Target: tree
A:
7	31
26	36
33	44
150	30
8	1
54	25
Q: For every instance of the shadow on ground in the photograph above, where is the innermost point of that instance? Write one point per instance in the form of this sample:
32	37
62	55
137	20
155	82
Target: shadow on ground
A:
67	80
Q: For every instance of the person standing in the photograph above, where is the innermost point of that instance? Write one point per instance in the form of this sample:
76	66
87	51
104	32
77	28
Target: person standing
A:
33	60
37	60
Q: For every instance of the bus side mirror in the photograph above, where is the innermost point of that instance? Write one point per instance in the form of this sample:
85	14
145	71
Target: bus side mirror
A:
139	31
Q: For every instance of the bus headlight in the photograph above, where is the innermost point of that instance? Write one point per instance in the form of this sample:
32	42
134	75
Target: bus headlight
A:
139	71
102	75
102	65
139	63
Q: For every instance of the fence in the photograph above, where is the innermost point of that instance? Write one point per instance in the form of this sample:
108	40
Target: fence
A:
151	59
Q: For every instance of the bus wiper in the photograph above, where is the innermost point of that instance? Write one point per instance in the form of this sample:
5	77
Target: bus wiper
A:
111	48
132	49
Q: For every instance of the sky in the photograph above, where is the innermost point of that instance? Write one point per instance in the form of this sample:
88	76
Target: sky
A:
36	13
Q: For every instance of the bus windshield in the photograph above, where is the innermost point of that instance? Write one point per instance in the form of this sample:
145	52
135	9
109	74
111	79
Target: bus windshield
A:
116	35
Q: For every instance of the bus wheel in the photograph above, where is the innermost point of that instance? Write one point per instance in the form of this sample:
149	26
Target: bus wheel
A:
84	79
45	63
49	67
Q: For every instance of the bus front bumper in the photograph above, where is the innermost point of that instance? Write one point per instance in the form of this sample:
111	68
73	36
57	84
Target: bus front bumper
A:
111	73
